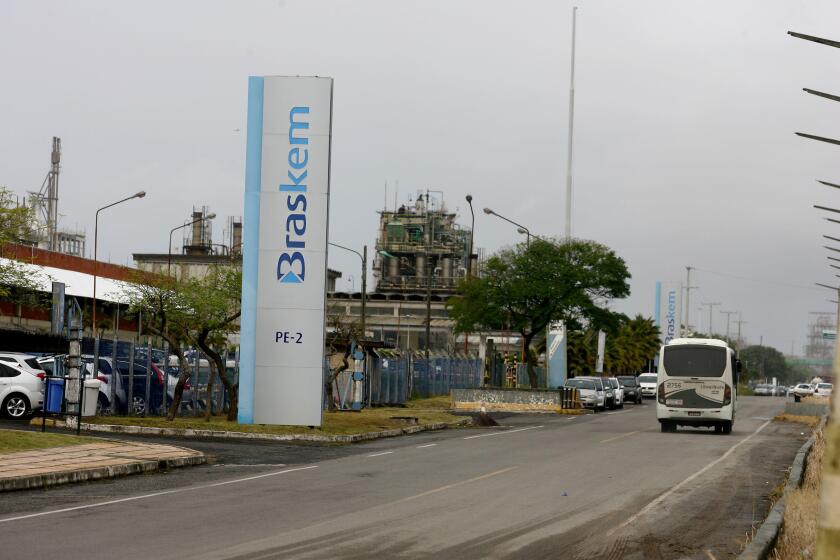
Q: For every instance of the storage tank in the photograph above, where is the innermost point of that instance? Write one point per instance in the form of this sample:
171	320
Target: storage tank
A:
446	271
393	269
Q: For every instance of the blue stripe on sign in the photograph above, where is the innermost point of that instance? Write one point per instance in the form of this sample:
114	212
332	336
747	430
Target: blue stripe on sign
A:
251	250
658	308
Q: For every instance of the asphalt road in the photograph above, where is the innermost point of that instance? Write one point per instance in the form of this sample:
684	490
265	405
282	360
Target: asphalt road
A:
541	486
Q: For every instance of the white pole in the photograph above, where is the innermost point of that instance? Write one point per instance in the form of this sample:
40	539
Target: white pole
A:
571	129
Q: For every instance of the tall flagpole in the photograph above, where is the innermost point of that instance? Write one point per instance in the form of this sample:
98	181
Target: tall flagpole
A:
571	130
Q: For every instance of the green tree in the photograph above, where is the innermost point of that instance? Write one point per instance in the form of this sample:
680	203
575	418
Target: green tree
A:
634	343
212	307
16	222
523	288
198	311
157	299
764	362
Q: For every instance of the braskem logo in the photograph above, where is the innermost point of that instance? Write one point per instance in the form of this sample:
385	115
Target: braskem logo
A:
291	266
671	317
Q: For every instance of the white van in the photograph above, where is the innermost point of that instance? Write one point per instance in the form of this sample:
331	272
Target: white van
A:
697	384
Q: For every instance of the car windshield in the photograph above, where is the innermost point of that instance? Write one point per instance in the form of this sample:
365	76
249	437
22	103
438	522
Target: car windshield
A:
825	385
647	379
695	360
598	384
628	381
581	384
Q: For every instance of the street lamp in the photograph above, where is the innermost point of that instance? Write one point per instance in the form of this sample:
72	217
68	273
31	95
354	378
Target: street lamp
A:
363	256
140	194
173	230
490	212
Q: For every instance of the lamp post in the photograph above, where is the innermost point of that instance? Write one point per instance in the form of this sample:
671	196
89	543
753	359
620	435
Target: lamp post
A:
363	256
490	212
173	230
469	263
140	194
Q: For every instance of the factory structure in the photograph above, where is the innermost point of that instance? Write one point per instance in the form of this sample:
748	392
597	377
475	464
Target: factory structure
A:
420	247
421	253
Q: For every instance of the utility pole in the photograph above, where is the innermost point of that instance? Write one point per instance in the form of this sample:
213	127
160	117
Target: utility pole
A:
740	322
688	288
711	305
728	313
571	129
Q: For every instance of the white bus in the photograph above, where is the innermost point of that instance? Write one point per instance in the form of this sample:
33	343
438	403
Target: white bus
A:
697	384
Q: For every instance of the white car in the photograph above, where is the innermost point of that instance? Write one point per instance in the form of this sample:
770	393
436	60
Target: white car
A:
25	361
619	391
587	392
824	389
648	384
803	390
21	391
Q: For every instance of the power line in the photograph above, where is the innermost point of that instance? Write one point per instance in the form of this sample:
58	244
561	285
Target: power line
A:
756	280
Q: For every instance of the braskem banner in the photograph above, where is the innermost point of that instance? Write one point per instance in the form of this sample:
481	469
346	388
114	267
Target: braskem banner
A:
287	187
668	310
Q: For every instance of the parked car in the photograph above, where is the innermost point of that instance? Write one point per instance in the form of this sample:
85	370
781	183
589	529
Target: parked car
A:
648	383
763	390
21	390
137	406
632	389
802	390
601	403
609	394
587	391
26	361
619	391
824	389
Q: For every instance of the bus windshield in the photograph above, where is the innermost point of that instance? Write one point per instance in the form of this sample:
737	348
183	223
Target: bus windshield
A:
695	361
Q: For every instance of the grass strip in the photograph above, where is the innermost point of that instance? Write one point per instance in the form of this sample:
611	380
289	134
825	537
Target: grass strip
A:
12	441
427	411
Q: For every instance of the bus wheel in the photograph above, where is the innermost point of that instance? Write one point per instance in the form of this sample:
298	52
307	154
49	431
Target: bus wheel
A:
718	428
667	427
727	427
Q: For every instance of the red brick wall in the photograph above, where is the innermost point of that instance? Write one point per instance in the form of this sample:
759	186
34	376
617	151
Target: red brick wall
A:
43	257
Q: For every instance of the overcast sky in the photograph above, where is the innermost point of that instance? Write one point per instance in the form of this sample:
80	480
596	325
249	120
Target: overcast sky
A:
684	144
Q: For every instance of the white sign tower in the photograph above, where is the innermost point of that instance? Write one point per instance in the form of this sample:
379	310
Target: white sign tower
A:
284	271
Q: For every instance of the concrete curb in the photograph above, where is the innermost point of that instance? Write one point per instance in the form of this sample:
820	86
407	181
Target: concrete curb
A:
98	473
311	438
765	538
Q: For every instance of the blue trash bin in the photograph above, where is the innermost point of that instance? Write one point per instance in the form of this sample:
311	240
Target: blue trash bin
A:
54	396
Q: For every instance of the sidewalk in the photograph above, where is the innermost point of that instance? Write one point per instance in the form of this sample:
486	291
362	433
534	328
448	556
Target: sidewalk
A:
77	463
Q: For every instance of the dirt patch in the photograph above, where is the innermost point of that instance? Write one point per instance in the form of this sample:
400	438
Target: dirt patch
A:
718	513
810	421
799	532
